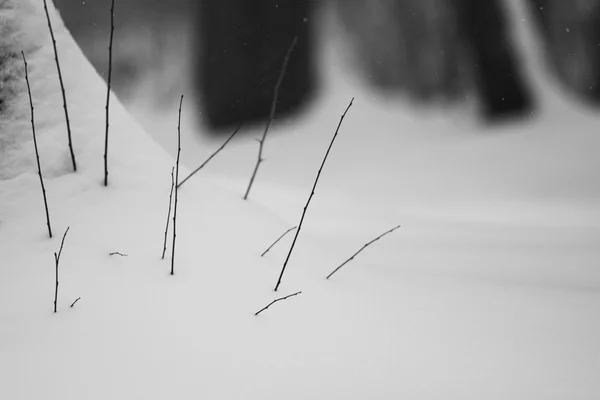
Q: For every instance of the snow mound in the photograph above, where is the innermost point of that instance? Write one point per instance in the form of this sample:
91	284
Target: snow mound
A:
25	28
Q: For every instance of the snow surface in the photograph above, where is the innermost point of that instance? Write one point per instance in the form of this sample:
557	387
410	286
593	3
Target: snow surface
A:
490	289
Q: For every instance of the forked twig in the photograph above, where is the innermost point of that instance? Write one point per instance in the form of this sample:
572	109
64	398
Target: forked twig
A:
275	301
261	141
37	154
176	180
211	156
56	261
278	239
168	213
311	195
361	249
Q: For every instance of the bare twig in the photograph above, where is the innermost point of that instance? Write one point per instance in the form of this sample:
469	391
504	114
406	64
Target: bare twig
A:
362	248
112	30
62	88
311	195
76	300
56	261
116	253
168	214
211	156
37	154
278	239
261	141
176	181
275	301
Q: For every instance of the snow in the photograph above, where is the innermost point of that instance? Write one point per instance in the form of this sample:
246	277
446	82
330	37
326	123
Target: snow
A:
490	289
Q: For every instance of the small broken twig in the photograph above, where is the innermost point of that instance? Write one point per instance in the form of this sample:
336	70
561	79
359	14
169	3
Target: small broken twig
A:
311	195
361	249
62	88
116	253
278	239
211	156
56	261
176	180
112	30
275	301
76	300
261	141
168	213
37	154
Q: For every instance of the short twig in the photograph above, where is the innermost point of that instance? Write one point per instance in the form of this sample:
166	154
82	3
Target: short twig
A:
116	253
278	239
37	154
56	261
310	196
168	213
62	87
275	301
76	300
210	157
261	141
362	248
176	181
112	30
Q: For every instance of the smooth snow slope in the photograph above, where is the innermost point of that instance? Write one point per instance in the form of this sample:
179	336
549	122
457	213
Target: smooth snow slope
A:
489	290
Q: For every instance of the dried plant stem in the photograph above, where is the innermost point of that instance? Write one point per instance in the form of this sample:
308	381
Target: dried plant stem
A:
62	88
310	196
210	157
261	141
176	180
275	301
76	300
278	239
168	213
361	249
56	261
112	30
37	154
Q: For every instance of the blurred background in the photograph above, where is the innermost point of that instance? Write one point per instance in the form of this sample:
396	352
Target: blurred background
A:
414	48
420	70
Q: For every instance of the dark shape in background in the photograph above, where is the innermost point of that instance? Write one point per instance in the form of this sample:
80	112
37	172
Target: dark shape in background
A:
429	50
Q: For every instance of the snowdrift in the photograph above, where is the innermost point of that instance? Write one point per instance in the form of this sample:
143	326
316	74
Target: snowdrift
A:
489	290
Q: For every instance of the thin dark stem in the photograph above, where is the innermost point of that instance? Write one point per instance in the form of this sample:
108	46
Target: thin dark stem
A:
310	196
62	88
176	181
211	156
76	300
168	214
62	242
275	301
56	280
261	141
116	253
112	30
362	248
278	239
37	154
56	262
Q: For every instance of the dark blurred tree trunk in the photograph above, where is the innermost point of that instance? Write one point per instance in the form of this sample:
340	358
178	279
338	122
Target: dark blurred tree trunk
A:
571	34
438	49
410	45
241	47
